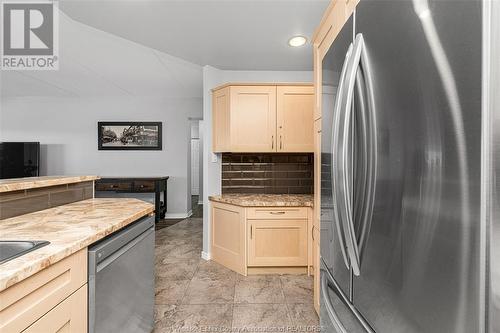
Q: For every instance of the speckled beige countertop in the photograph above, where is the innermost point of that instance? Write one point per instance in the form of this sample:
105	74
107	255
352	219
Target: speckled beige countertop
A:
18	184
266	200
68	228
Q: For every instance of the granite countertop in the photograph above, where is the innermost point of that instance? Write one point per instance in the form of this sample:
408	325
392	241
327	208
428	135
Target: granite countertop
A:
266	200
68	228
19	184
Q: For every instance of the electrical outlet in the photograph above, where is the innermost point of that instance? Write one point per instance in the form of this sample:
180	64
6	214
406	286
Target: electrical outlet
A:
215	158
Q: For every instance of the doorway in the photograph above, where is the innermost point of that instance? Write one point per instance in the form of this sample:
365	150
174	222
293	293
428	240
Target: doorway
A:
196	170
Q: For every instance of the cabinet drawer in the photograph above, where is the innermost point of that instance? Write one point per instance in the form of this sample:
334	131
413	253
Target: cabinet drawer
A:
277	213
68	316
115	186
144	186
27	301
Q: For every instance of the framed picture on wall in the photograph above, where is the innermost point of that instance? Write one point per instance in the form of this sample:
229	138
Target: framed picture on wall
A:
129	135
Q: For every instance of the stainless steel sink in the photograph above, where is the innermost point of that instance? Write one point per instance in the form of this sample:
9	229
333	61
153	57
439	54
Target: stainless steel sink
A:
13	249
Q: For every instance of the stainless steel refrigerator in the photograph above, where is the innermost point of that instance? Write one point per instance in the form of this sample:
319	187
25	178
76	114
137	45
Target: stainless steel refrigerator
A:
410	155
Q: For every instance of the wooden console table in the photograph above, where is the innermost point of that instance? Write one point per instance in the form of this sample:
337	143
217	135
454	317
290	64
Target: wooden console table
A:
155	185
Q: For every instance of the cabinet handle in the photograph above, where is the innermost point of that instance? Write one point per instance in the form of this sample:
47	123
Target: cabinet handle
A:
272	142
312	232
277	213
281	143
251	231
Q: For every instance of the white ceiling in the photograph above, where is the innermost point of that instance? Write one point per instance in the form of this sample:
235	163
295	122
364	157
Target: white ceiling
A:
227	34
94	63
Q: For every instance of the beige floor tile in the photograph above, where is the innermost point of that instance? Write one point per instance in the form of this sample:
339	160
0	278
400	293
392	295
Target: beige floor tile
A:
184	251
177	269
195	295
297	288
210	291
214	271
261	317
193	318
170	292
303	316
259	289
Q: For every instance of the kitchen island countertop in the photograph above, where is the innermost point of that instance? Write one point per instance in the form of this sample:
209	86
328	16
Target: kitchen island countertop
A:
68	228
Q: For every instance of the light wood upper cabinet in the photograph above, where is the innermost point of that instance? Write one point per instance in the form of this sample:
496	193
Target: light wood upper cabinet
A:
253	118
334	18
295	116
263	118
220	107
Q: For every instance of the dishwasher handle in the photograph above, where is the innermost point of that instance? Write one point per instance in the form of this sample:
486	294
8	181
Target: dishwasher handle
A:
109	260
105	248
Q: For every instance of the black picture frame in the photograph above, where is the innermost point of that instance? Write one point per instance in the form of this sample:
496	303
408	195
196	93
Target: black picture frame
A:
118	143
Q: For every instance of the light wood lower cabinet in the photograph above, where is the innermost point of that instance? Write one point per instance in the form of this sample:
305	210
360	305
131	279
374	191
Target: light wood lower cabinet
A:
261	239
316	266
27	301
229	237
277	243
69	316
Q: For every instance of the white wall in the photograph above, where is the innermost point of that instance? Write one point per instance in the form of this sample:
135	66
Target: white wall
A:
105	78
213	77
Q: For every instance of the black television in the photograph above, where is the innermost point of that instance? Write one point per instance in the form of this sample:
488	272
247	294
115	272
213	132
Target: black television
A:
19	159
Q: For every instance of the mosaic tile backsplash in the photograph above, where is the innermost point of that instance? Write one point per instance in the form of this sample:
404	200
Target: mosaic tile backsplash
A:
267	173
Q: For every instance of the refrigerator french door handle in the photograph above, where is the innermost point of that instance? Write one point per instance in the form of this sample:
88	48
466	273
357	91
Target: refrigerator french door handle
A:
358	65
362	156
335	148
346	186
330	310
371	157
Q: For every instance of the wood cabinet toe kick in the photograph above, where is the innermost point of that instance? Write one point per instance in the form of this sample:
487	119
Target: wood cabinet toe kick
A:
262	240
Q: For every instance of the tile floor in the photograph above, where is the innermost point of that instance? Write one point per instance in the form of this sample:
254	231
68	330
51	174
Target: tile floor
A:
194	295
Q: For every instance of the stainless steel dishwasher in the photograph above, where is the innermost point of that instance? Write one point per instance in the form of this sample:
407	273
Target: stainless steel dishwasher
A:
121	280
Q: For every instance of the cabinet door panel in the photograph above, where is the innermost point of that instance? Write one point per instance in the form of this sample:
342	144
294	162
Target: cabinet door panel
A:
316	266
27	301
229	236
220	120
277	243
317	172
295	118
68	316
253	118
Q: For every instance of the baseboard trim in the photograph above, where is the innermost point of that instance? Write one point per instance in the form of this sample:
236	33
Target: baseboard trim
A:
276	270
205	255
178	215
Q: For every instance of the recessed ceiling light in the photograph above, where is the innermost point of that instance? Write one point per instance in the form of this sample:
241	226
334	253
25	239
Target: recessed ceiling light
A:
296	41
